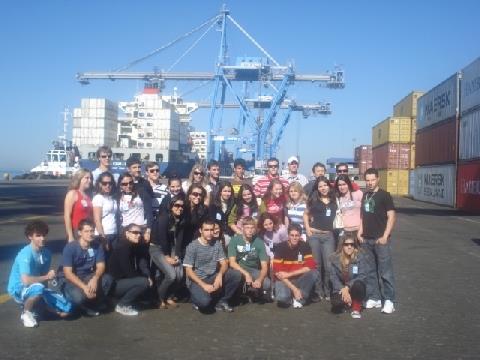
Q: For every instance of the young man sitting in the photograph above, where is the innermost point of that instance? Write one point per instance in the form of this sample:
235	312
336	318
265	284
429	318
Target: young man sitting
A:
29	275
294	269
247	255
84	270
208	275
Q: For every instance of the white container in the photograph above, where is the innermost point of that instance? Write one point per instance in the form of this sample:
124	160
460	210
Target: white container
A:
439	104
470	86
469	142
435	184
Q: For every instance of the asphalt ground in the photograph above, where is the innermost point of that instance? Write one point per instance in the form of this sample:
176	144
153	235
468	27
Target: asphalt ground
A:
436	259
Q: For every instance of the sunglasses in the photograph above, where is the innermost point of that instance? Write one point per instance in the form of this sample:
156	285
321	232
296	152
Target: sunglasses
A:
135	232
196	194
349	244
106	183
197	173
127	183
272	166
106	156
178	205
154	171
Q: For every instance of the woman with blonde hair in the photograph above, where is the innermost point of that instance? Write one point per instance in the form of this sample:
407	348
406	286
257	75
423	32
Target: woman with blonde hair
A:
296	205
348	269
77	205
197	177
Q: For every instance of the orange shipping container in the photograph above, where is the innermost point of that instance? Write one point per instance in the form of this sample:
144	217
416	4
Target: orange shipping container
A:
436	144
392	156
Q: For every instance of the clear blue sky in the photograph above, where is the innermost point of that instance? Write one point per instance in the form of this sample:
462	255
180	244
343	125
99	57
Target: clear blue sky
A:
387	49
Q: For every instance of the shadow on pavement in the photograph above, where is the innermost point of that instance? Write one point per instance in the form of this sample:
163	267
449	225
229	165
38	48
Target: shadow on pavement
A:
8	252
476	241
432	212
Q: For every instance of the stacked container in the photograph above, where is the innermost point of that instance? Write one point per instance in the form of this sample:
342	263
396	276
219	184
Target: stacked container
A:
363	158
468	175
434	178
391	153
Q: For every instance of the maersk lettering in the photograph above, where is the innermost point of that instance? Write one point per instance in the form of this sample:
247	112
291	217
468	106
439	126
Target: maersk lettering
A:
434	192
472	86
433	179
438	103
471	187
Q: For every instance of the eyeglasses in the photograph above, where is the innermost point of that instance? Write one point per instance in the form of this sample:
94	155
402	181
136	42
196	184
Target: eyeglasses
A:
196	194
127	183
348	244
154	171
197	173
178	205
272	166
106	183
135	232
106	156
340	171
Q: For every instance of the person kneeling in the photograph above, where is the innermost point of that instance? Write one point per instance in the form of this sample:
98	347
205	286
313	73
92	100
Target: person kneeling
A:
129	283
247	255
208	275
29	275
294	269
83	263
348	276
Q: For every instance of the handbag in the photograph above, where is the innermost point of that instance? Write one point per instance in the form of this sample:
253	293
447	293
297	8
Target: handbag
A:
338	221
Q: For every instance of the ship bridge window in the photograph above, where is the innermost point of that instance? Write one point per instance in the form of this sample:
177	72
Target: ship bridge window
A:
149	114
141	114
149	145
63	157
140	135
135	156
159	157
146	157
149	134
118	156
140	144
149	124
92	156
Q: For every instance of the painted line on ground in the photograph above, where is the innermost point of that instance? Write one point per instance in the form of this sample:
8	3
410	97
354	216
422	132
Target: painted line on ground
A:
4	298
466	219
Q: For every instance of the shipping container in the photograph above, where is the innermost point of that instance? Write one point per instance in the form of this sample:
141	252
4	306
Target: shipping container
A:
363	152
439	104
394	181
407	107
436	144
469	142
470	87
414	128
412	156
391	156
363	166
435	184
392	129
468	186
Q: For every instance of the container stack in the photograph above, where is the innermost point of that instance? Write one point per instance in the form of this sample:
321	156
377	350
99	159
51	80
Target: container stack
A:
468	174
392	144
363	159
434	178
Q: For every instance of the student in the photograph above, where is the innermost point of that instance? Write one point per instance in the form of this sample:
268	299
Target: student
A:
350	202
348	271
296	205
213	168
271	232
130	281
274	201
104	157
105	211
175	186
293	174
29	275
83	267
78	205
318	169
378	220
221	208
130	204
294	270
238	176
160	193
208	277
166	250
196	212
197	177
342	168
318	221
262	183
245	205
246	254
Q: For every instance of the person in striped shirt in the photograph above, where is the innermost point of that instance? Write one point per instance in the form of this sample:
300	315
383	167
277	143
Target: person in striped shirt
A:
294	270
296	205
261	185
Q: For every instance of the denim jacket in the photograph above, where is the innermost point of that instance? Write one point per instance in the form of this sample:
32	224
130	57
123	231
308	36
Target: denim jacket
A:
357	270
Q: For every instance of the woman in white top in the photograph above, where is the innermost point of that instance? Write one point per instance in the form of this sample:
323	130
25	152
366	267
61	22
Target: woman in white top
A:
197	177
129	203
105	210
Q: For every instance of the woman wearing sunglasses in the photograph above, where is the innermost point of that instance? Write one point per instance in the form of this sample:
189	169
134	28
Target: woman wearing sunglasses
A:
130	203
166	250
105	210
195	212
348	276
197	177
349	202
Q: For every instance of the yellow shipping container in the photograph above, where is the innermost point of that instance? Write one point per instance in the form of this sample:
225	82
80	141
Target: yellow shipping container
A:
407	107
392	129
394	181
414	129
412	157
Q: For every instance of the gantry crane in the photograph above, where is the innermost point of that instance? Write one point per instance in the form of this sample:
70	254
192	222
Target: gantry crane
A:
265	70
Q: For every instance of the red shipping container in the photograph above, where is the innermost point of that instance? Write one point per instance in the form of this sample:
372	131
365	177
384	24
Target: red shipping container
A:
392	156
468	186
363	152
436	144
363	166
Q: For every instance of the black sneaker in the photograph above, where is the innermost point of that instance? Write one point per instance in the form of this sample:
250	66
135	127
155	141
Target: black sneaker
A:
223	306
315	298
89	311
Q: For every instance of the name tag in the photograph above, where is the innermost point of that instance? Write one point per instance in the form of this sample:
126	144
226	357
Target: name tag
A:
247	247
329	212
300	257
40	258
90	252
367	207
219	216
355	269
84	203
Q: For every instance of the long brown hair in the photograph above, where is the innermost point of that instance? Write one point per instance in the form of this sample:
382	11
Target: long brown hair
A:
345	260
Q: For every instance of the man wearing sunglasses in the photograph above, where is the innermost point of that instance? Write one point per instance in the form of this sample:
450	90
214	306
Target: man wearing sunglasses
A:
160	194
342	168
261	185
104	157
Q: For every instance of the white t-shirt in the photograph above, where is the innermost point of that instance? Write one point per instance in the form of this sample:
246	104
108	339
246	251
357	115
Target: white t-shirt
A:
132	211
96	173
109	210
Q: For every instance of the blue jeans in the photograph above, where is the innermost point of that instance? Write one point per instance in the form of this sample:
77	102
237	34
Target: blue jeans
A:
78	297
129	289
304	282
172	275
255	273
322	245
203	299
380	279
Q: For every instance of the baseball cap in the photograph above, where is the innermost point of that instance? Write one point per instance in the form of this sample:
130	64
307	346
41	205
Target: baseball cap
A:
292	159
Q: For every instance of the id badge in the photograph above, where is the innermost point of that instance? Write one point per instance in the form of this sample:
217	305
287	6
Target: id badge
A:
247	247
329	212
84	203
219	217
300	257
367	207
355	269
40	259
90	252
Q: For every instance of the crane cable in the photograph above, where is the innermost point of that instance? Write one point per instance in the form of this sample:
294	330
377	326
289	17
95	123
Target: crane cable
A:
173	42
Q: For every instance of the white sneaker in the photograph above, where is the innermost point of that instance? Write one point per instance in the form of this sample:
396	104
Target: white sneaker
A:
371	304
388	307
126	310
297	304
356	314
28	319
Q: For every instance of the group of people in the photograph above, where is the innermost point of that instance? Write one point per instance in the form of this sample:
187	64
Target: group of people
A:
279	238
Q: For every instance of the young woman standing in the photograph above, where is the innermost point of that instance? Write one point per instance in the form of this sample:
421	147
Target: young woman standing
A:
105	211
130	204
349	202
296	205
78	205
